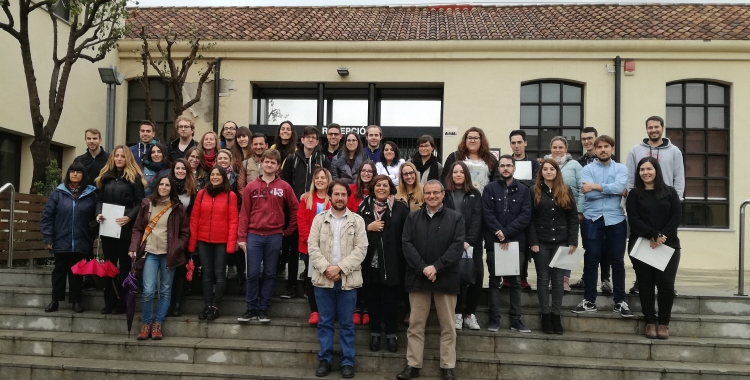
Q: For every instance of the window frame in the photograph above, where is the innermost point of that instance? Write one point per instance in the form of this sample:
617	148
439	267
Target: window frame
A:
16	141
167	128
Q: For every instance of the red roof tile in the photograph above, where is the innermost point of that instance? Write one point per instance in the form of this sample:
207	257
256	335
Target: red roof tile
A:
415	23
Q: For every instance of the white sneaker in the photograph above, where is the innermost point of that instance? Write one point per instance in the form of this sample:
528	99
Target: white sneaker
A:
471	322
459	322
232	272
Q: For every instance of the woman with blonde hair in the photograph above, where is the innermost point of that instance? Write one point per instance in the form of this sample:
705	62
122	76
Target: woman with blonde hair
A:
121	183
312	203
209	149
409	191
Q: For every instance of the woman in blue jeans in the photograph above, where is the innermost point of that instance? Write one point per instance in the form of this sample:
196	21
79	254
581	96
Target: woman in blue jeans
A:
160	236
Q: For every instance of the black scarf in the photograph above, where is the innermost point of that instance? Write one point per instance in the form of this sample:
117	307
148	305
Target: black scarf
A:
431	164
179	186
154	166
214	191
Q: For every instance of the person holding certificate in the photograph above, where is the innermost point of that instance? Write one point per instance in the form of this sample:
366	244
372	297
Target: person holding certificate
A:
554	224
120	183
654	213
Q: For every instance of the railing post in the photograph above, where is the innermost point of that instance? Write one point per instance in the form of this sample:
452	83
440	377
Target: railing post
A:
741	275
11	220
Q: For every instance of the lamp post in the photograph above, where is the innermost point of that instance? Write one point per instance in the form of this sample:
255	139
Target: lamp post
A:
111	78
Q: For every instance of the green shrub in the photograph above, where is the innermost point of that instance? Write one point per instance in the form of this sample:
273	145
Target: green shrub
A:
52	178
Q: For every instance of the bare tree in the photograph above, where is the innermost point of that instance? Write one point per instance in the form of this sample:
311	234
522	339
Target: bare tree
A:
95	28
166	66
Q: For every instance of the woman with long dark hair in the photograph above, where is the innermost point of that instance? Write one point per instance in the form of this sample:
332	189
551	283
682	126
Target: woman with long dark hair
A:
159	239
360	187
155	164
242	148
349	159
312	203
193	157
184	184
654	213
461	196
121	183
286	140
474	151
390	162
409	191
554	223
213	235
67	233
383	267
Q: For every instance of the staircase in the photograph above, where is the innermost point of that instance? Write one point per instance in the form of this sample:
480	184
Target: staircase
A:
709	340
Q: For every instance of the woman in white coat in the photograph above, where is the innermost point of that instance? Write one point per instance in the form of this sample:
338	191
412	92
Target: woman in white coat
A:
390	162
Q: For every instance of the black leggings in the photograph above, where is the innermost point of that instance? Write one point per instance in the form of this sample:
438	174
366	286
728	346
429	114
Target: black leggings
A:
650	277
473	292
116	251
63	262
213	259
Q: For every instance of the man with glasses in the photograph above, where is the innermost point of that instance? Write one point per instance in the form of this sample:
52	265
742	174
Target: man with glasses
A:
333	135
506	213
433	241
185	129
228	132
297	170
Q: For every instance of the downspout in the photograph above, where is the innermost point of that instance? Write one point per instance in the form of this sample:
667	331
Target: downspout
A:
217	82
321	104
618	100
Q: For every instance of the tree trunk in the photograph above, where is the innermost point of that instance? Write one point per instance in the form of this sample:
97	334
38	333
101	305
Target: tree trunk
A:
40	156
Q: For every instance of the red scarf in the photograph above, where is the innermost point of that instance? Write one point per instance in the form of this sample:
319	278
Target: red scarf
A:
210	159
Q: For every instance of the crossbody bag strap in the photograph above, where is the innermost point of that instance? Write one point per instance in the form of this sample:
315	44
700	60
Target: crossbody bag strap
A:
153	222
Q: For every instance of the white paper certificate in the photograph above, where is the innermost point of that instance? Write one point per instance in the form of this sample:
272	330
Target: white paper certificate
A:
564	260
523	170
656	257
507	262
109	227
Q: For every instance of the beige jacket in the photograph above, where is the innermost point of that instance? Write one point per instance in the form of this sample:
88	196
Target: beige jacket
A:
353	250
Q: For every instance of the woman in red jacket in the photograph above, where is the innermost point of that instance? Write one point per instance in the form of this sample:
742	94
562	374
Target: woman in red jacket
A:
213	231
312	203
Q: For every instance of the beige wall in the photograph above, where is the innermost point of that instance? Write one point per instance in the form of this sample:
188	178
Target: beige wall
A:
482	88
85	100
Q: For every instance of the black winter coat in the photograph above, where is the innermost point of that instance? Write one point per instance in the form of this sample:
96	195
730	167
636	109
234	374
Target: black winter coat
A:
296	172
66	222
506	208
437	240
119	191
387	243
471	209
341	170
93	165
551	223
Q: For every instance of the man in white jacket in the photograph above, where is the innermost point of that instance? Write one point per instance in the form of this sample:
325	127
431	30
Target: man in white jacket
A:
668	155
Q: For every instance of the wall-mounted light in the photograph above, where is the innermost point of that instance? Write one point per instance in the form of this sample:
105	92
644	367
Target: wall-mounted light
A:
343	71
109	75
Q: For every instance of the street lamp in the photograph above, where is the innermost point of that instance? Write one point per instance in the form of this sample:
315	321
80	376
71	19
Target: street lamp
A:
111	78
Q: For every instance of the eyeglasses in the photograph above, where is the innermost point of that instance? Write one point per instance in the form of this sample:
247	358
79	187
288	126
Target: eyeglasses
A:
75	171
366	171
432	193
473	138
408	174
333	134
183	127
508	166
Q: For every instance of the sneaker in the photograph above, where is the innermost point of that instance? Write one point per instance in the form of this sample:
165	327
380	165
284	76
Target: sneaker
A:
263	316
577	285
248	316
623	309
585	307
606	287
289	293
459	322
231	272
505	284
357	318
471	322
365	319
634	289
494	324
525	285
517	325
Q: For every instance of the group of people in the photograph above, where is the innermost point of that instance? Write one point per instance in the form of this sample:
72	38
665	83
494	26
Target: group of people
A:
373	229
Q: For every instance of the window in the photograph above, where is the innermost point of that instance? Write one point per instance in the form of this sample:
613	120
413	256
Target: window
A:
10	159
61	11
697	122
162	110
56	153
549	109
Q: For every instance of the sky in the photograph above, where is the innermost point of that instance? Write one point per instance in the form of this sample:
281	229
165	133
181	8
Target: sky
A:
245	3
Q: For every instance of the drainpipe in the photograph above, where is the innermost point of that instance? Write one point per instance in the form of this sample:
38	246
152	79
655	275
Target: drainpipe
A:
217	80
321	104
618	98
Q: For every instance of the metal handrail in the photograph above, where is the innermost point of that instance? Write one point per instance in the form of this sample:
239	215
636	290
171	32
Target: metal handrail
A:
11	220
741	276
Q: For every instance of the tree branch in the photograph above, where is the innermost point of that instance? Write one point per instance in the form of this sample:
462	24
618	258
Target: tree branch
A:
40	4
10	25
201	81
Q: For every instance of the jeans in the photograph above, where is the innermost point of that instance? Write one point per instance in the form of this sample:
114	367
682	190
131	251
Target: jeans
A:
603	240
265	250
213	263
155	268
116	251
515	288
333	302
381	305
472	292
648	277
543	273
604	265
63	262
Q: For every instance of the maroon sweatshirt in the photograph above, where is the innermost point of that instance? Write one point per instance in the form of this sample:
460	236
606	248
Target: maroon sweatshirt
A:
263	208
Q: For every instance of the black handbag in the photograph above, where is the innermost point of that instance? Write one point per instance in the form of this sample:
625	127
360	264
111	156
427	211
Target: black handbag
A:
466	271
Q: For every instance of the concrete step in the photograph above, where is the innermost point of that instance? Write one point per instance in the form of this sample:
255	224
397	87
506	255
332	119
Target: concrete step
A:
490	366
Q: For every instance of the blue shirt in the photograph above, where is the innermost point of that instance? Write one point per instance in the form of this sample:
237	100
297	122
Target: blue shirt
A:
606	203
374	155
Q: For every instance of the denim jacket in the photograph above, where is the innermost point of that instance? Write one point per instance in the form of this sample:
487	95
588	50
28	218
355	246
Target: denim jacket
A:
606	203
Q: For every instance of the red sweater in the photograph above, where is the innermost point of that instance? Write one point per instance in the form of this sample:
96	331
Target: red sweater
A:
263	208
214	220
353	202
305	218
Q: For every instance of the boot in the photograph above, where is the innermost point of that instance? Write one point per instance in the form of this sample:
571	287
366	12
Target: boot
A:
651	331
547	324
663	332
175	306
156	331
145	332
557	324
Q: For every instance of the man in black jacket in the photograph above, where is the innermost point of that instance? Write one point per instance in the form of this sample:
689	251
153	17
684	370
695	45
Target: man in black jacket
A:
433	241
506	212
95	157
